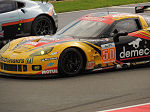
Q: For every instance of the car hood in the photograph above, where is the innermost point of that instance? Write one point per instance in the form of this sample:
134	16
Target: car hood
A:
40	42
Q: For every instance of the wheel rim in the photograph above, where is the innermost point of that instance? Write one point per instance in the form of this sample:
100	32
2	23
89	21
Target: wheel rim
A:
43	27
71	62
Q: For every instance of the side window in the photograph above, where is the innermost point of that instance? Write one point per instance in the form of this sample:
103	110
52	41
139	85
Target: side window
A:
20	5
128	25
7	7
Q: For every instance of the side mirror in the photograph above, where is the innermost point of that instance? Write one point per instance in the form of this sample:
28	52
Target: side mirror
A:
116	36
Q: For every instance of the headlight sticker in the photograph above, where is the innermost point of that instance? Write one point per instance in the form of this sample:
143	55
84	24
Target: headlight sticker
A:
44	51
55	53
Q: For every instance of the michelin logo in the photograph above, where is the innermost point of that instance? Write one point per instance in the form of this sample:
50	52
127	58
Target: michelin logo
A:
136	43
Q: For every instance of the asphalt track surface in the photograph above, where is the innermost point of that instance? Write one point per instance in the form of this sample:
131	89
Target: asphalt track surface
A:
84	93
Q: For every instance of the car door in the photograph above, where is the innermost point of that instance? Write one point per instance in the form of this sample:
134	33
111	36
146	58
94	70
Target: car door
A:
8	14
130	48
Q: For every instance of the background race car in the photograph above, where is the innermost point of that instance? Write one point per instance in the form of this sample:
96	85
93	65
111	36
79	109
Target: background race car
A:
96	41
26	17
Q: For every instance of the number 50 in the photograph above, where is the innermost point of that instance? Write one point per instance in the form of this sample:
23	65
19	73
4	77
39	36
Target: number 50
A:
108	55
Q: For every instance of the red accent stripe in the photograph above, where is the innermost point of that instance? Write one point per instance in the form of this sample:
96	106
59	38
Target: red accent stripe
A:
43	43
135	57
139	35
18	22
119	61
145	34
98	19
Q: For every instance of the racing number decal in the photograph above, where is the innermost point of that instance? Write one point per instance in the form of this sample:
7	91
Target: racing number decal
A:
108	53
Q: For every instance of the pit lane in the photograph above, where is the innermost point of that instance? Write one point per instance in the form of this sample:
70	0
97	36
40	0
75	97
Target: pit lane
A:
84	93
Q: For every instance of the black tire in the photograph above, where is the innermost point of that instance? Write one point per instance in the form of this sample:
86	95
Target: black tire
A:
71	62
42	25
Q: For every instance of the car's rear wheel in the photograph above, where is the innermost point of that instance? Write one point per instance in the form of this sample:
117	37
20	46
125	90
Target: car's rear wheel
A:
42	26
71	62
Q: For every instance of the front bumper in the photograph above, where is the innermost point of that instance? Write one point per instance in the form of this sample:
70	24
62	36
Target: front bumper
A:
26	70
28	75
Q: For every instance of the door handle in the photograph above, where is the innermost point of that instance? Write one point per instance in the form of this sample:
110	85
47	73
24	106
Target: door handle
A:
24	10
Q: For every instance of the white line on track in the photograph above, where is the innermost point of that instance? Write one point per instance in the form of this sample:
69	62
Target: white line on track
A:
124	107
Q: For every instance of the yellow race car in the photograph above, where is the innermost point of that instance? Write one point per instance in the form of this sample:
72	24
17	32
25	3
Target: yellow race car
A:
93	42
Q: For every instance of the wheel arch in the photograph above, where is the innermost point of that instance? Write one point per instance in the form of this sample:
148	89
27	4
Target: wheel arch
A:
81	51
51	19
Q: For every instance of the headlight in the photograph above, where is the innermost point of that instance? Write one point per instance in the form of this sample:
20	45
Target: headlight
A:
4	48
42	52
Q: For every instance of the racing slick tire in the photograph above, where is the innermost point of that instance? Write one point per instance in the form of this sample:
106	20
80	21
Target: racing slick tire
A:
71	62
42	25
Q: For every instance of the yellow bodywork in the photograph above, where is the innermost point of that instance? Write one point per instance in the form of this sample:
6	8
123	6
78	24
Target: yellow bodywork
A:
14	57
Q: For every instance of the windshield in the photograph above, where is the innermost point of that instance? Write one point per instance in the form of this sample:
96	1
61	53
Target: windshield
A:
83	28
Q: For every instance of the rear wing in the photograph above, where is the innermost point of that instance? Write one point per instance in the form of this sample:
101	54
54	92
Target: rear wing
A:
142	9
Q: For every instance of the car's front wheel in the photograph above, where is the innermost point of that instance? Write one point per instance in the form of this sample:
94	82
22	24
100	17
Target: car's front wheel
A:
71	62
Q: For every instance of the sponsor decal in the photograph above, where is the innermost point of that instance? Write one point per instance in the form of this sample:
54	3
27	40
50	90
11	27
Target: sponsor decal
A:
6	60
109	45
48	59
135	43
91	65
29	60
55	53
49	71
108	53
136	52
50	64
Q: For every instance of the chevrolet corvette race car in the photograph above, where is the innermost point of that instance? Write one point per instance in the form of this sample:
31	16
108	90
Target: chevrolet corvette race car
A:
26	16
97	41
